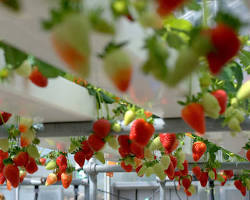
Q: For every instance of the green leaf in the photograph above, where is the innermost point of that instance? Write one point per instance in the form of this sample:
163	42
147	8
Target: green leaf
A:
229	19
13	4
174	40
48	70
245	60
238	74
193	5
180	24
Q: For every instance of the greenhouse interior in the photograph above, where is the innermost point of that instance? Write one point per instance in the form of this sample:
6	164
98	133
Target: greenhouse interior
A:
124	100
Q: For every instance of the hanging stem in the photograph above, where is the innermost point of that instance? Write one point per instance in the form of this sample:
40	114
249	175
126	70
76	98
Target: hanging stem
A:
205	13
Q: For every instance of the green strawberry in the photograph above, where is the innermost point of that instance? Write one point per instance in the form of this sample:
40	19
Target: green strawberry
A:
181	156
210	105
116	127
149	171
155	144
112	141
24	69
100	156
159	171
180	166
240	115
142	171
165	161
234	124
229	112
33	151
192	189
211	174
4	73
51	165
244	91
205	80
4	144
148	154
247	180
129	117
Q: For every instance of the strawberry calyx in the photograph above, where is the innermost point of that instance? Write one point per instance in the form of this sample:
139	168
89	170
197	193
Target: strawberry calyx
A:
7	161
112	46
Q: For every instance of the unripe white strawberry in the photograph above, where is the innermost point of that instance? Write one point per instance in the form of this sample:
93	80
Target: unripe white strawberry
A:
234	124
149	171
148	154
129	117
210	105
116	127
240	115
158	169
165	161
100	156
24	69
156	144
112	141
244	91
181	157
192	189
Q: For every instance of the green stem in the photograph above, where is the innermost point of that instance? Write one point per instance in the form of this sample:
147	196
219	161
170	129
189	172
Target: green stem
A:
205	13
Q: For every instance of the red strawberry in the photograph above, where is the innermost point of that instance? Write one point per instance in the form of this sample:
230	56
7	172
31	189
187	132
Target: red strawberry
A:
185	170
193	115
198	149
123	152
166	7
127	168
95	143
248	154
226	45
124	142
4	117
42	161
117	66
188	193
169	142
2	178
87	150
66	179
137	150
238	184
21	159
58	175
101	128
141	132
1	165
186	182
38	78
61	162
11	172
204	179
197	172
221	96
79	158
31	166
177	173
3	154
229	173
170	171
174	161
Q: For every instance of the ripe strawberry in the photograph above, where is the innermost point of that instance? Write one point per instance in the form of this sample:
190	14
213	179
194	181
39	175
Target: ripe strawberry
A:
66	179
185	170
4	117
141	132
226	45
87	150
118	68
170	171
197	172
188	193
51	179
123	152
204	179
71	42
221	97
177	174
79	158
42	161
127	168
58	175
238	184
225	180
38	78
248	154
166	7
193	115
2	178
129	117
186	182
229	173
95	143
101	128
3	154
169	142
1	165
198	149
61	162
22	175
124	142
137	150
174	161
11	173
31	166
244	91
21	159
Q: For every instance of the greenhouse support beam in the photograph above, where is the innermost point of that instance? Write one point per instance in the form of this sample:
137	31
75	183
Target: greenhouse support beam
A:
117	168
92	179
162	189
